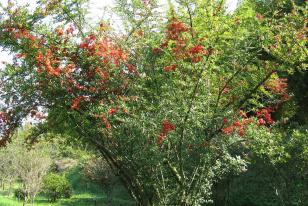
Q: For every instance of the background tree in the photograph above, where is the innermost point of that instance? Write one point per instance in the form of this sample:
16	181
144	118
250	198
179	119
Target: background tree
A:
27	164
8	168
32	166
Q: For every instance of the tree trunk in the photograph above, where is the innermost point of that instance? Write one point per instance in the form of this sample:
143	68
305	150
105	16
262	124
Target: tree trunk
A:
127	178
220	193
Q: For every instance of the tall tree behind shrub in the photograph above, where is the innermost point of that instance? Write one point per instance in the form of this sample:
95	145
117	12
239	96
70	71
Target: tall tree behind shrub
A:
98	170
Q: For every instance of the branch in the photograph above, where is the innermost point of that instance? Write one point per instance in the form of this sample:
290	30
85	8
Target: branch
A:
223	88
74	21
127	178
190	21
192	99
137	26
248	96
174	172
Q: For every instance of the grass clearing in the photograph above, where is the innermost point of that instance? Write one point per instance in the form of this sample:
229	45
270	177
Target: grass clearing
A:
85	193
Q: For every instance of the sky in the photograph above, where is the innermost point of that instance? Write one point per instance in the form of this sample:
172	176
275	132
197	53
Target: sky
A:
96	7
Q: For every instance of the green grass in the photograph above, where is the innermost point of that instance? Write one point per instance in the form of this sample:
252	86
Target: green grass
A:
80	199
85	193
74	201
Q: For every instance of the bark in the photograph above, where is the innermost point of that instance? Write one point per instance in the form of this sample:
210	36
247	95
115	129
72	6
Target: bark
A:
220	193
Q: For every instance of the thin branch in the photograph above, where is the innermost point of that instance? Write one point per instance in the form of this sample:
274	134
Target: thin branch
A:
137	26
225	86
190	21
248	96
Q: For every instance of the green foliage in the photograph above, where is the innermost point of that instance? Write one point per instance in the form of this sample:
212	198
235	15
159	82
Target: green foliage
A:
81	183
56	186
269	182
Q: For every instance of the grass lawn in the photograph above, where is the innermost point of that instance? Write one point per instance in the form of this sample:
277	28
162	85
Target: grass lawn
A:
85	193
76	200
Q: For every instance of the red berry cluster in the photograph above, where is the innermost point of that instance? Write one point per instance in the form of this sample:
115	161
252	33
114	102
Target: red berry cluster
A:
196	53
264	116
76	102
278	85
167	127
170	68
175	28
112	111
104	48
179	43
237	125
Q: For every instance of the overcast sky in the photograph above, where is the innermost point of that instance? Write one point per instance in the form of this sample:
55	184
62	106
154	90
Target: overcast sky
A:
95	7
